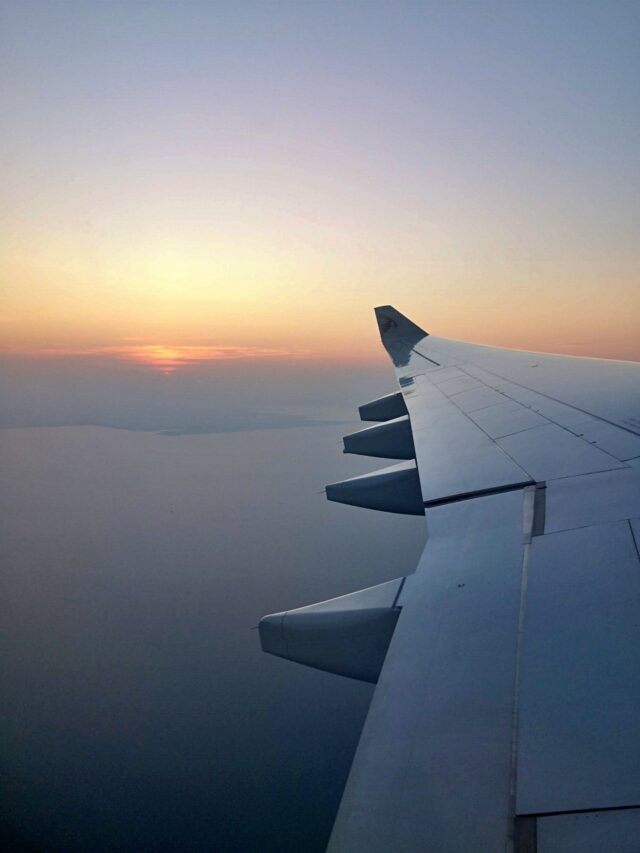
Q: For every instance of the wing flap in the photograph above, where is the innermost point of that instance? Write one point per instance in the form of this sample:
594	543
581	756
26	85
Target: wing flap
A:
578	746
432	770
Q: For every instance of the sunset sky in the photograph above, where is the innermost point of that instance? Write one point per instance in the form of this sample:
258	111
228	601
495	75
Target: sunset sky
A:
186	182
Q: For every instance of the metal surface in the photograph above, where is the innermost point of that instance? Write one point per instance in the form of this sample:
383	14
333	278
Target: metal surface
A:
384	408
603	388
391	440
578	745
506	418
453	455
459	385
593	499
511	686
392	489
618	442
594	832
477	398
548	452
348	635
433	766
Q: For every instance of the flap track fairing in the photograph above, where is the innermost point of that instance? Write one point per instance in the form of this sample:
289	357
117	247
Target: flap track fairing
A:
393	489
390	440
384	408
348	636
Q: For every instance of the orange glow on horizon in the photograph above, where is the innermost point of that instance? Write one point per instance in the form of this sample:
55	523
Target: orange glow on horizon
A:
169	358
165	358
311	299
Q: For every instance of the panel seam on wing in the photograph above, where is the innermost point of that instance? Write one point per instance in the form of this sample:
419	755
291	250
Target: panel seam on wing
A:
539	426
548	397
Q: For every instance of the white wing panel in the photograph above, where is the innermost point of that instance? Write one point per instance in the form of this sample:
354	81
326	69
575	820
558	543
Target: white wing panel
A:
592	499
506	418
578	745
458	385
620	443
548	452
614	831
537	436
477	398
454	456
613	396
433	767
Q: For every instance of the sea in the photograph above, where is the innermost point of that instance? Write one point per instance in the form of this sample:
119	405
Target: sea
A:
138	711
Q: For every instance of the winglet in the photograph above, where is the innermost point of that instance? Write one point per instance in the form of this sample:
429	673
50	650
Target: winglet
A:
394	324
399	335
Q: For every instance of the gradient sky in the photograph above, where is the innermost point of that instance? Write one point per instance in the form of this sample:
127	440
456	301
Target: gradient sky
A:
230	176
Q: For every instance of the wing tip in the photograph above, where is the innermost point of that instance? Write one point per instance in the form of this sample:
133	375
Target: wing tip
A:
393	324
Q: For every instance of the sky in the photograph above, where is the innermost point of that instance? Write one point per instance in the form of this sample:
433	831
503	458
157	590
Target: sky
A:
194	182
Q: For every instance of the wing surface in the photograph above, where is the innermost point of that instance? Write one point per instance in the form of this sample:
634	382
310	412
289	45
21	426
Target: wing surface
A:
505	715
483	417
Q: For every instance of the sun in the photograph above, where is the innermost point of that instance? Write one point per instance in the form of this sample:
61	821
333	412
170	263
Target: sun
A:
162	358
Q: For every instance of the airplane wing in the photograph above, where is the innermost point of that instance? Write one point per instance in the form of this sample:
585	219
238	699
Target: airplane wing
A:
507	708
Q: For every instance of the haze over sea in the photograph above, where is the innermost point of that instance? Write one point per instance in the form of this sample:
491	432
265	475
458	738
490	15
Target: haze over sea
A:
139	712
